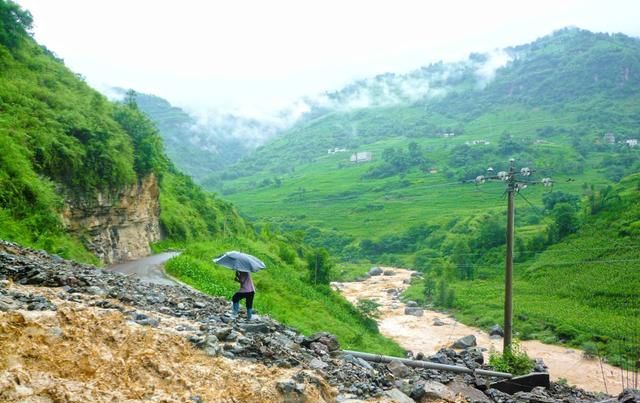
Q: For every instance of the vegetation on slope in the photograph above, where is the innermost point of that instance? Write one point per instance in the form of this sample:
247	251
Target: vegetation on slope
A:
582	291
61	139
285	290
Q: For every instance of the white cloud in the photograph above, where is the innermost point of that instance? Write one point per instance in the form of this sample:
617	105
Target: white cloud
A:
258	57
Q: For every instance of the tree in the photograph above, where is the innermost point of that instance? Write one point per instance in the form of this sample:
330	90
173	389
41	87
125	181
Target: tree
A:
14	23
319	265
565	222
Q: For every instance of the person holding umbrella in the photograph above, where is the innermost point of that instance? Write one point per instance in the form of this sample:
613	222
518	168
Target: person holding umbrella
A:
247	290
243	264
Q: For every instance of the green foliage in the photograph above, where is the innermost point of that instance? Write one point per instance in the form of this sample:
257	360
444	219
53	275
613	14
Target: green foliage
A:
283	292
368	308
319	265
514	360
188	213
15	23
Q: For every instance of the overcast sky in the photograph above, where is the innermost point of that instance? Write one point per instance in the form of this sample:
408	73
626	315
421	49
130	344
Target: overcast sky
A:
258	56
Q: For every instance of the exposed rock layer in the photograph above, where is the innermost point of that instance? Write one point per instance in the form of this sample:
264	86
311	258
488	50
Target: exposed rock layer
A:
117	227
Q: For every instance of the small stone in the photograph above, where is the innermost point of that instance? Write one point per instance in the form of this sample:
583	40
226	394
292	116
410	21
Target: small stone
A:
398	369
318	364
438	322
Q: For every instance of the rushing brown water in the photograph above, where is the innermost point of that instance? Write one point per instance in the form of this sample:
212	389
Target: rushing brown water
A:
418	334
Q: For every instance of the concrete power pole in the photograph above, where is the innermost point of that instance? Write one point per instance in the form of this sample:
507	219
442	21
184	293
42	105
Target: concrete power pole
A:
508	273
514	185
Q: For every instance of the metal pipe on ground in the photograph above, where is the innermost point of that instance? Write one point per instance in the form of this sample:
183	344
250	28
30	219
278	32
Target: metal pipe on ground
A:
426	364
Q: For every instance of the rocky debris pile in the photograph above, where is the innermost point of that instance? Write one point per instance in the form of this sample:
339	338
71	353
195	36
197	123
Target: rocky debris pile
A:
206	322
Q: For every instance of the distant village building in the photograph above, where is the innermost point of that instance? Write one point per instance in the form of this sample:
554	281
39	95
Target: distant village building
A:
476	142
447	134
631	142
363	156
609	138
336	150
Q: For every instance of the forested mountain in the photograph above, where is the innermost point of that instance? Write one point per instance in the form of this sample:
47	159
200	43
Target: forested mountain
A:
67	150
65	144
201	147
564	105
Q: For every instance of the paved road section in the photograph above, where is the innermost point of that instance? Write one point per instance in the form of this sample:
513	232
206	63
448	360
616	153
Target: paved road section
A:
148	269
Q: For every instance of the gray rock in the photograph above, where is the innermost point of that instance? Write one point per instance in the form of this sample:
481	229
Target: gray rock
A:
389	273
398	369
465	342
255	328
496	330
415	311
318	364
397	396
432	390
473	395
629	396
411	303
211	345
95	290
375	271
357	361
438	322
291	391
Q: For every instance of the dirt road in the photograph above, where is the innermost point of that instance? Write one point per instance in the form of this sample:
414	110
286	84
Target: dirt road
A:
147	269
418	334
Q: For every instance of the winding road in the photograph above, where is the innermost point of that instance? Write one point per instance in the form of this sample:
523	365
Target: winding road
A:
147	269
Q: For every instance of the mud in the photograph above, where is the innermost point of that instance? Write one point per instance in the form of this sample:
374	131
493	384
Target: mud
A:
418	334
87	354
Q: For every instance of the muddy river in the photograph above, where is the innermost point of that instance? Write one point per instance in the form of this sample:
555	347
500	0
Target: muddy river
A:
418	334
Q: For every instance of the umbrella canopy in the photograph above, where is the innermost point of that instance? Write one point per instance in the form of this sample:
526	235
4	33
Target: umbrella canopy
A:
239	261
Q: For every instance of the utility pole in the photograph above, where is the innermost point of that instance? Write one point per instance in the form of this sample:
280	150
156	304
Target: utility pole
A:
514	185
508	273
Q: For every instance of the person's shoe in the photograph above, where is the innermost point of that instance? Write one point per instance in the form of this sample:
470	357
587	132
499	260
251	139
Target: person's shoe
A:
249	314
235	309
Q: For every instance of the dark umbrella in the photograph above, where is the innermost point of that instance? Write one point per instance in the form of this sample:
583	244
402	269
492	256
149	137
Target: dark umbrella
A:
239	261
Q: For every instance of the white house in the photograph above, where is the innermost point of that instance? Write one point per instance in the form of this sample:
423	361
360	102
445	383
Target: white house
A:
631	142
336	150
362	156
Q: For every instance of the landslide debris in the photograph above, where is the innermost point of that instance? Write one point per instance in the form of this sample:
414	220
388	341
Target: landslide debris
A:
71	332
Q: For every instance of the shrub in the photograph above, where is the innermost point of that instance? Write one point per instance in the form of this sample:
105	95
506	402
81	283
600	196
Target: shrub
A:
515	360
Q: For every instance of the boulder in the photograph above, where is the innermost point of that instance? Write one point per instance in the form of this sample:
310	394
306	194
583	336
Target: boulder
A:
411	303
389	273
459	387
465	342
397	396
432	391
375	271
413	311
496	330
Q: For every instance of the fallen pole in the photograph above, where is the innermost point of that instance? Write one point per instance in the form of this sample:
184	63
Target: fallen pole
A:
426	364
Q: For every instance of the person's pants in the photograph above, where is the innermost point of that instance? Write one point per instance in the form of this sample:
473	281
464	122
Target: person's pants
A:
241	295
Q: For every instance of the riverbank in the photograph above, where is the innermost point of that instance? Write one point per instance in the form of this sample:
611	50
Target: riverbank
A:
419	334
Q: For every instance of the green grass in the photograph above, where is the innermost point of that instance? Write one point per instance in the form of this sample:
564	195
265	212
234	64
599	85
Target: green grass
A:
283	292
582	291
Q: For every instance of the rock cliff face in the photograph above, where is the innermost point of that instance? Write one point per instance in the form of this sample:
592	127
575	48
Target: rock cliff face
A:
117	227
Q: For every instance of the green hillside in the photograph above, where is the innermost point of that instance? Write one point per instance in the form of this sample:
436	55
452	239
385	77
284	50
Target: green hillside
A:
61	139
582	291
549	108
564	106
